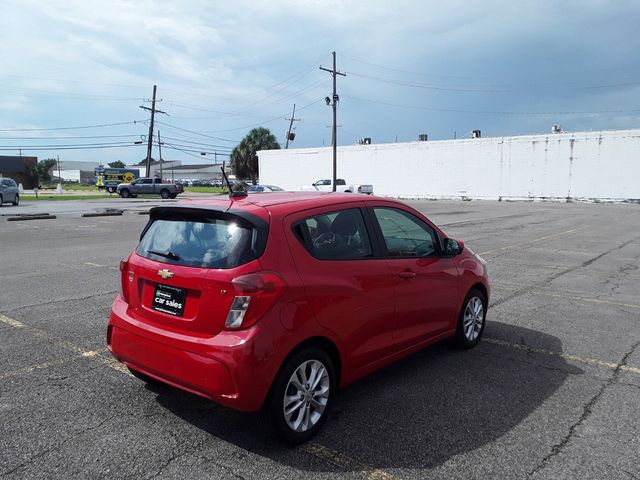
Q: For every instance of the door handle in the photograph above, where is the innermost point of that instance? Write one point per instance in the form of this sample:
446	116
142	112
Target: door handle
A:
407	274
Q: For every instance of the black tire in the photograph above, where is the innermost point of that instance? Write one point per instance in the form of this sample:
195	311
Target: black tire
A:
468	332
164	193
274	407
0	200
125	193
16	201
173	195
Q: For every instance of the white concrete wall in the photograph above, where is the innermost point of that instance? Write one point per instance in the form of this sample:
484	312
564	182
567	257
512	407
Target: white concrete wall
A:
579	165
68	175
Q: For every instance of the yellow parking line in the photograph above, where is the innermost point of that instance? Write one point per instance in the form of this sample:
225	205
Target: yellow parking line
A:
313	448
535	240
96	355
53	363
566	356
344	461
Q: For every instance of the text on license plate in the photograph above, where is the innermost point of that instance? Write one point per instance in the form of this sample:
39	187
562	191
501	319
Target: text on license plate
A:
169	299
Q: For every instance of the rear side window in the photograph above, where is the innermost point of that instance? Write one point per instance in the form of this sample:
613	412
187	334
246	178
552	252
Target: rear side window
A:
206	243
335	236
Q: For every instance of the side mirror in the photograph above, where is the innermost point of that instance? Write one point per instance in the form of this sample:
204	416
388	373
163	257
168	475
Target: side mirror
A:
453	247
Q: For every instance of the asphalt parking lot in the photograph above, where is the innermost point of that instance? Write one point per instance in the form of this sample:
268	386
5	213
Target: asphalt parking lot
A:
552	391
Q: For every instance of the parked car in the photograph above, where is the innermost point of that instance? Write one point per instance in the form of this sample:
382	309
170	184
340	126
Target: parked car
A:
149	186
264	189
275	301
326	185
9	191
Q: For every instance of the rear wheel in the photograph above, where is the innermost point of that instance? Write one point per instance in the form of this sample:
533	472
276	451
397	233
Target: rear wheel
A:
16	201
472	319
164	193
124	193
302	395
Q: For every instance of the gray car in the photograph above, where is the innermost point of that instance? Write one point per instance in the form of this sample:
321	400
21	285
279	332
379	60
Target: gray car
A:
9	191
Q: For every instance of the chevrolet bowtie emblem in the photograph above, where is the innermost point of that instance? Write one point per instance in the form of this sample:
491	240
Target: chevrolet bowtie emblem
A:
164	273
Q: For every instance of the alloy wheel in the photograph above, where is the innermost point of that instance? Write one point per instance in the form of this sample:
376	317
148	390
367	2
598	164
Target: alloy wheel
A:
306	396
473	318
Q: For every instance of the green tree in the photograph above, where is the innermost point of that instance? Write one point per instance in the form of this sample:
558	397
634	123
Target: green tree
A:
40	171
244	158
117	164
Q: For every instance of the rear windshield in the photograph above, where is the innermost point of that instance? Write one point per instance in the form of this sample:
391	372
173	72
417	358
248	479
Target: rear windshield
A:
207	242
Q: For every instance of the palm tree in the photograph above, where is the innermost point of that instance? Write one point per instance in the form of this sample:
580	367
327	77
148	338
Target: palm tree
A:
244	158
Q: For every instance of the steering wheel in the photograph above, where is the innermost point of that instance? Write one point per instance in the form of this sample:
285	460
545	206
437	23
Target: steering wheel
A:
327	239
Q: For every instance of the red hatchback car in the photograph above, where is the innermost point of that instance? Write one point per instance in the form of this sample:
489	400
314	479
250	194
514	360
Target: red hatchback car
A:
277	300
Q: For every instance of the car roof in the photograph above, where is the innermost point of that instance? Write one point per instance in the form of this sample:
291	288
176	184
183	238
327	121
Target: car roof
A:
280	201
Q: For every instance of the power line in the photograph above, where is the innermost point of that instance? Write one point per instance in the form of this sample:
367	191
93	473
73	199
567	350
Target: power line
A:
484	112
68	148
426	87
133	122
198	133
280	117
70	137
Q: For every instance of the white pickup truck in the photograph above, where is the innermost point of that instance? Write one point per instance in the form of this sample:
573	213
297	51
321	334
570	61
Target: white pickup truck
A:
325	185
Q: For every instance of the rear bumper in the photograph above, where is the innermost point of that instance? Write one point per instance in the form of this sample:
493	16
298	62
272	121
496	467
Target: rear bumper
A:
223	368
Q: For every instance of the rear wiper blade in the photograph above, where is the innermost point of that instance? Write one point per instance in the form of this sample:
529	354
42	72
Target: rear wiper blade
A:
167	254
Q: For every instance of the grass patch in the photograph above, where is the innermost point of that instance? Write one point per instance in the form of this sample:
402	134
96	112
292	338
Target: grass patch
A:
217	190
64	197
72	187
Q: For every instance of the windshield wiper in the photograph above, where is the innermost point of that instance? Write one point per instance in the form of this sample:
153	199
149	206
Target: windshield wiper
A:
167	254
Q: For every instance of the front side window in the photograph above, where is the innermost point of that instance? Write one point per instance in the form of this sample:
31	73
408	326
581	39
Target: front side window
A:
213	243
338	235
405	235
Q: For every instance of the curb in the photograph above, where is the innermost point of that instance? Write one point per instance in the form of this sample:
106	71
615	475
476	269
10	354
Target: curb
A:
108	213
23	217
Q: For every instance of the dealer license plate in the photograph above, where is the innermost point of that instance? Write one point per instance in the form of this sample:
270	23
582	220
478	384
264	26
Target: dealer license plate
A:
168	299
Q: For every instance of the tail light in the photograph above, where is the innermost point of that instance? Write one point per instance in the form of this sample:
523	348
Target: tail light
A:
256	293
125	279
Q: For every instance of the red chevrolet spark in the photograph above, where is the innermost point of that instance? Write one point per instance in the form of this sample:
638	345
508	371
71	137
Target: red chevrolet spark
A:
276	300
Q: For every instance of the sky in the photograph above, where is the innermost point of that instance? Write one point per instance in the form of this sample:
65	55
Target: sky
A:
75	72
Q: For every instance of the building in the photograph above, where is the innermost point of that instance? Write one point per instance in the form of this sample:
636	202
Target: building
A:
580	165
19	169
73	171
202	171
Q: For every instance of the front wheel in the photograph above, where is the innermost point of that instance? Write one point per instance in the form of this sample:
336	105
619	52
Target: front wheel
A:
16	201
472	319
124	193
302	395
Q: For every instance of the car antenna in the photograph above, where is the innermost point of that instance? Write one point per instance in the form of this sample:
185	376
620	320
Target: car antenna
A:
232	194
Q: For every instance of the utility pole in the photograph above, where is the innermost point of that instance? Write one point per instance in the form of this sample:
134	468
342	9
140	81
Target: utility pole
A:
59	186
150	137
292	119
334	103
160	155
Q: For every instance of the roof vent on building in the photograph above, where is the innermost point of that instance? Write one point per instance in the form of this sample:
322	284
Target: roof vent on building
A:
476	134
556	129
423	137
